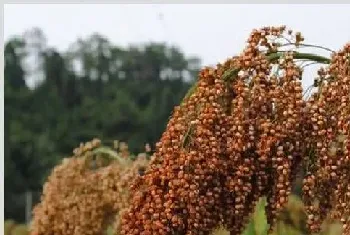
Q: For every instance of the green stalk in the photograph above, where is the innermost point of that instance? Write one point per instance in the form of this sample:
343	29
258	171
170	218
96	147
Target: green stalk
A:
272	57
110	154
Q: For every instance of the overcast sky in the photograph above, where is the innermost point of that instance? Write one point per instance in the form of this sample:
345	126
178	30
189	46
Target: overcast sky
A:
212	32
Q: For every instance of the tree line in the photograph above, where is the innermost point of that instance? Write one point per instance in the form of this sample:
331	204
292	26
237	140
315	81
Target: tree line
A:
56	99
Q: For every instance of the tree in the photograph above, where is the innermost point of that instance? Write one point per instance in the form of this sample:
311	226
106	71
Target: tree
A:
14	73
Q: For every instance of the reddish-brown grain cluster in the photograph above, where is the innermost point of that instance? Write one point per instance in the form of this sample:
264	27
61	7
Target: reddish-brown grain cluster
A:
182	190
83	198
234	139
326	187
265	132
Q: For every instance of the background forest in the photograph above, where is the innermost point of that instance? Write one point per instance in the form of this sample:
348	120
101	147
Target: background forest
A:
57	99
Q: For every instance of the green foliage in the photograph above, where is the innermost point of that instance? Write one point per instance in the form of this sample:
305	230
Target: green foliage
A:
11	228
8	226
20	230
258	223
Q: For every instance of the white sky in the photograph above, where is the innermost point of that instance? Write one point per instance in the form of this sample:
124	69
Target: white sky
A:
212	32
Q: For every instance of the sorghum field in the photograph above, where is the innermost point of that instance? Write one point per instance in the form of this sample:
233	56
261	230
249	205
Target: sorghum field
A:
229	157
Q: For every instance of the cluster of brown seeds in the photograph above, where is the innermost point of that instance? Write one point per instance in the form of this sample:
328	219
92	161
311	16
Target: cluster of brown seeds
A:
83	194
234	139
327	185
182	190
128	175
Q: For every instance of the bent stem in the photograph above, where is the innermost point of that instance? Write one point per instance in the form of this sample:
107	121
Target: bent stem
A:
110	155
272	57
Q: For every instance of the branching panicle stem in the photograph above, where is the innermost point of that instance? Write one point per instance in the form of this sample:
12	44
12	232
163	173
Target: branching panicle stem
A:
271	57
